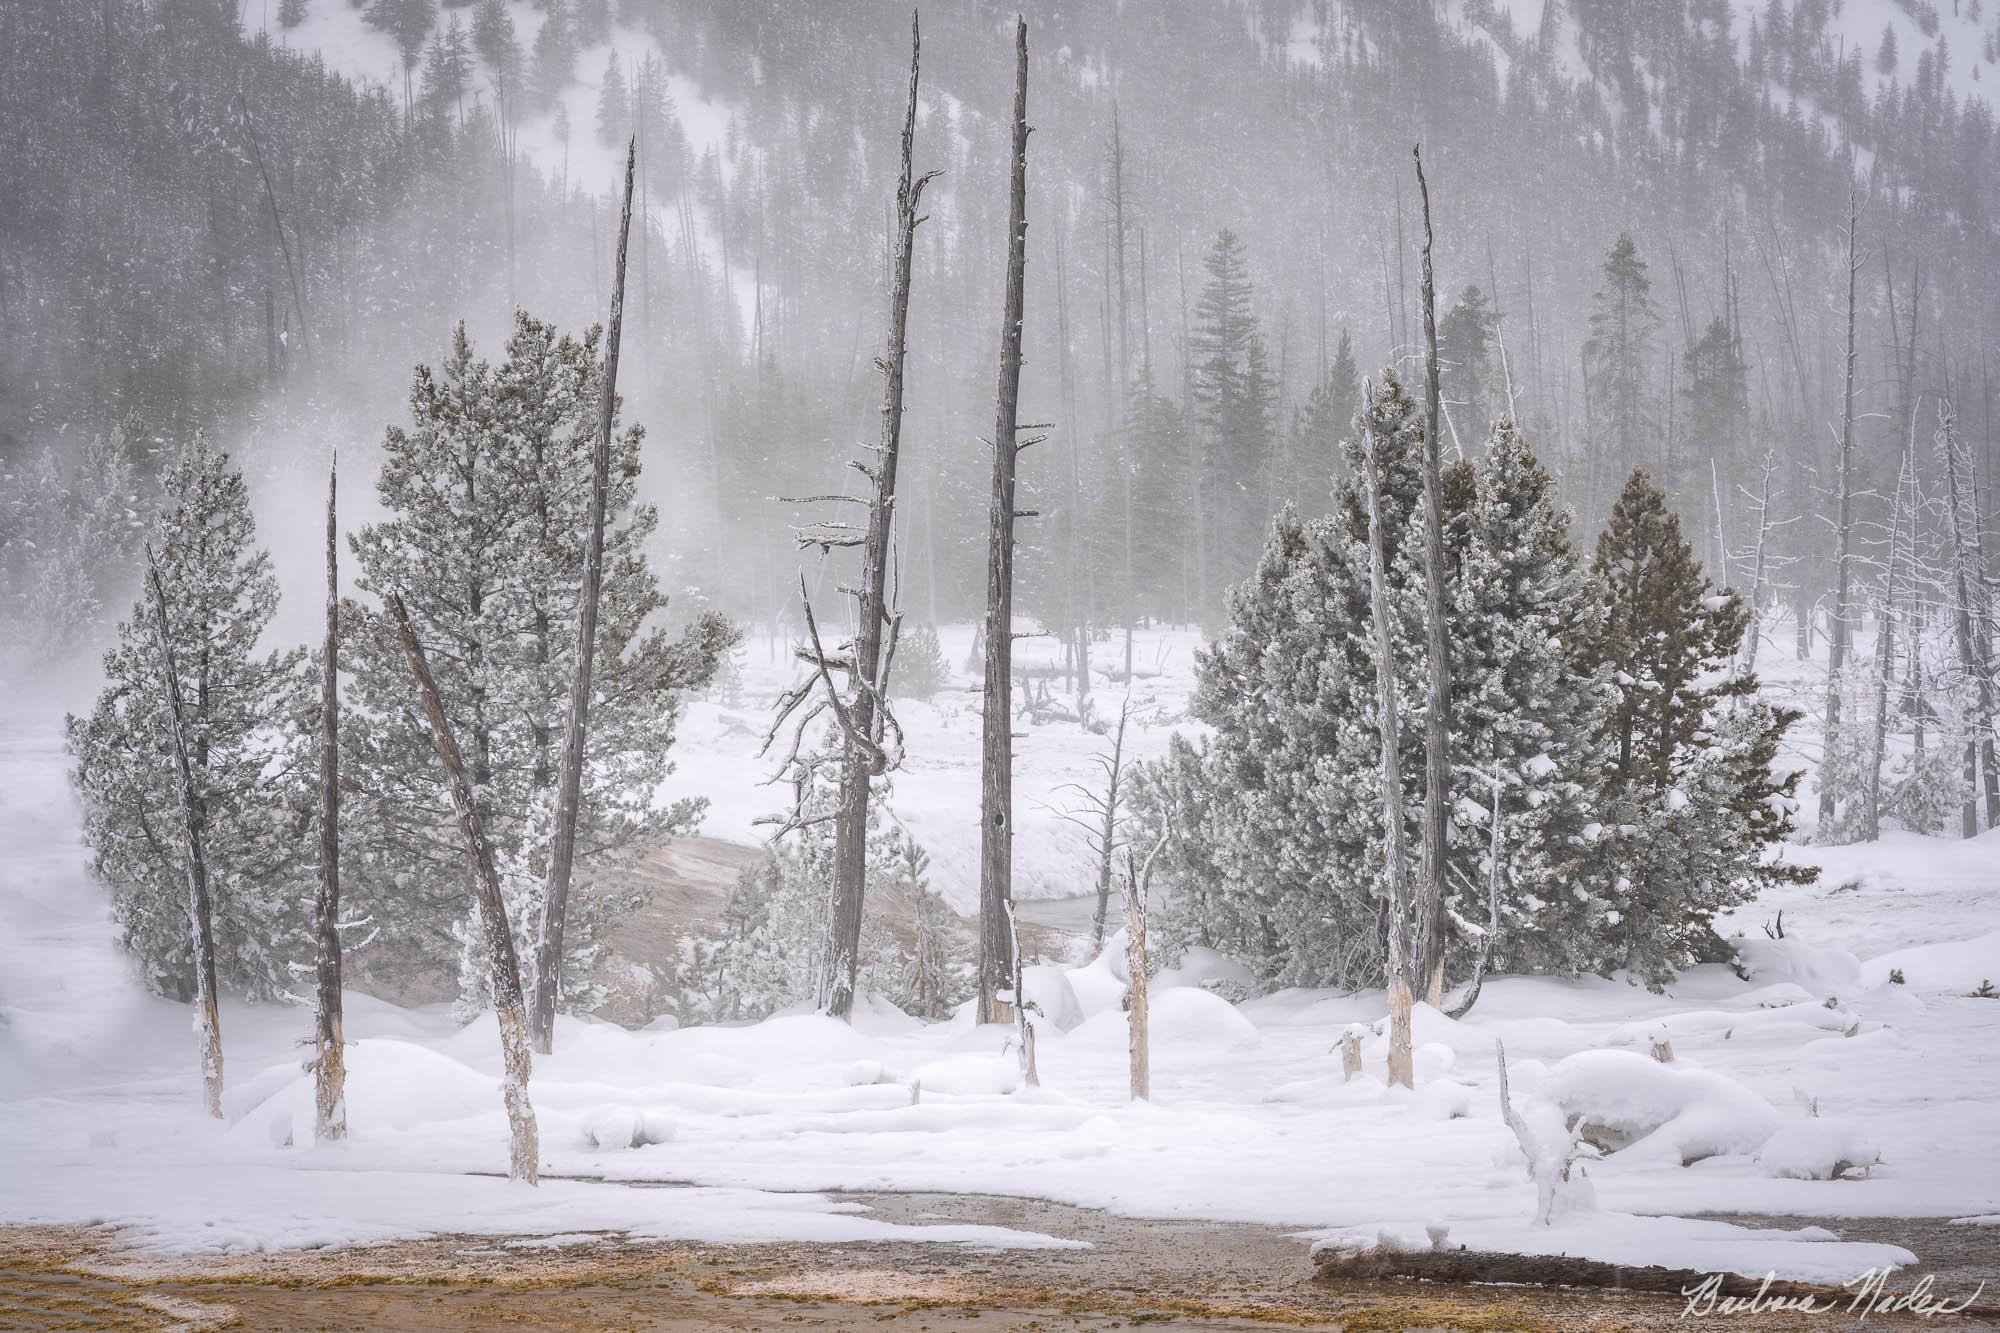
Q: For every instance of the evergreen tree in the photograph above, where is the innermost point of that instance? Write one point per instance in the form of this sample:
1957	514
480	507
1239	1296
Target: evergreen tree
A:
1690	803
1616	363
555	55
663	150
291	13
240	712
1716	426
1524	713
1466	338
1886	58
486	499
1233	404
614	105
448	68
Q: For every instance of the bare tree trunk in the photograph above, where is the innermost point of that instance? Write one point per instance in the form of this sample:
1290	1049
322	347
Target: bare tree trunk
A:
1138	1037
1967	586
524	1154
1108	835
1400	1067
208	1025
329	1053
1753	632
1437	716
569	784
1844	552
862	756
999	948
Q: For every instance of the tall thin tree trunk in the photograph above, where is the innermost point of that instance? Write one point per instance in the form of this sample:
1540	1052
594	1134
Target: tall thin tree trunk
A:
208	1025
576	731
999	949
1400	1062
861	753
1437	716
524	1152
1968	590
1138	1044
1844	538
1108	833
329	1053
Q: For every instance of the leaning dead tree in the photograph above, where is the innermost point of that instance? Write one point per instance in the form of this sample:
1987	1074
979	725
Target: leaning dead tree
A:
1551	1166
1437	716
208	1026
524	1153
999	943
576	731
329	1053
861	709
1400	1062
1843	579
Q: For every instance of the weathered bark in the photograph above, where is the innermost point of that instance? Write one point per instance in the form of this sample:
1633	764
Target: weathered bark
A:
329	1052
1844	534
523	1157
1400	1064
1350	1052
1138	1039
1437	716
208	1025
999	951
861	755
576	731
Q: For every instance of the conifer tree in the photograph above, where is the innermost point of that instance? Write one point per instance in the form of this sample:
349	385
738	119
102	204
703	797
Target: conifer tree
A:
1690	803
614	104
241	716
486	496
1233	402
1617	364
1466	336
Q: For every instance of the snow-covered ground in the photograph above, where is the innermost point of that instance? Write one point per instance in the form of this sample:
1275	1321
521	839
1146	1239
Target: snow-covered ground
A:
1816	1059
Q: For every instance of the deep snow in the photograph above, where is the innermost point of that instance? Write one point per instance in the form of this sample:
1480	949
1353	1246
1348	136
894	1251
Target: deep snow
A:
1815	1062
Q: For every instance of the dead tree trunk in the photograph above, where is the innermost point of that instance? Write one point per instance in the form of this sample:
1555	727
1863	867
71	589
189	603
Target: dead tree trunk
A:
1138	1036
208	1025
1968	586
1437	717
999	952
1400	1068
862	756
1107	838
1844	537
569	786
524	1154
329	1053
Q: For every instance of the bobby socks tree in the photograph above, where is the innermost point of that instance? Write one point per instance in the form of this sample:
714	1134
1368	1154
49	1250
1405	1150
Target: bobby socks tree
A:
487	494
1636	797
242	713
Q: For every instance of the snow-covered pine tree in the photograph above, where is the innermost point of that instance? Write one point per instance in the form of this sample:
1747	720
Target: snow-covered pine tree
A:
486	498
243	713
1522	706
1690	802
614	104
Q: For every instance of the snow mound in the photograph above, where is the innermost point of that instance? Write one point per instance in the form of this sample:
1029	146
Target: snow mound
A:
1178	1020
1819	970
1203	967
1959	965
1644	1109
971	1074
1096	985
1816	1149
1049	990
617	1128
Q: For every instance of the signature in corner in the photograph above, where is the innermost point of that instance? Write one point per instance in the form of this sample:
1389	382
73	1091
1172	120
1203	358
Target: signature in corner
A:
1872	1296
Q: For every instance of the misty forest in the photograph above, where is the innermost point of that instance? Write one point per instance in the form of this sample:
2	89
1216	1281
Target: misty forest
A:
1363	631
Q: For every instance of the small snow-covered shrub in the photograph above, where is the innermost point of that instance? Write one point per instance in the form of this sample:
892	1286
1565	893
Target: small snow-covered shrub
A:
1810	1148
920	670
1633	1104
